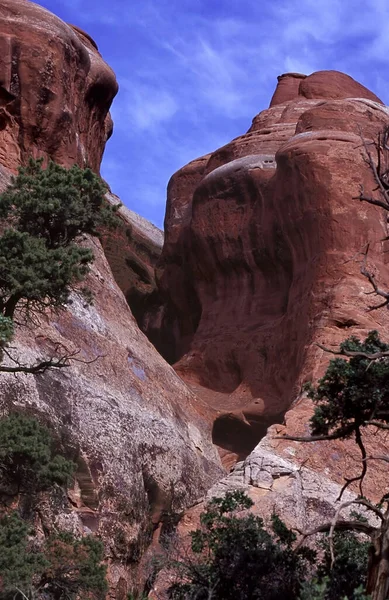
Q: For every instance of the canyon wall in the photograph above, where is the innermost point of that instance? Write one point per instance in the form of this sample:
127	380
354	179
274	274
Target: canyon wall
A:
141	439
261	259
55	89
263	246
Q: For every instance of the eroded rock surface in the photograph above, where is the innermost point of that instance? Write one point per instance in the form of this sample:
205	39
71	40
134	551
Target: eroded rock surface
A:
302	497
144	450
55	89
322	84
263	250
141	438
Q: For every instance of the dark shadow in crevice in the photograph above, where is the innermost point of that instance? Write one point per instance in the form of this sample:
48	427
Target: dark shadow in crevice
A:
239	437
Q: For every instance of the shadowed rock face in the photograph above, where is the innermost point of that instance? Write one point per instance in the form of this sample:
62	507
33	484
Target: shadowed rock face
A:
132	250
261	253
55	89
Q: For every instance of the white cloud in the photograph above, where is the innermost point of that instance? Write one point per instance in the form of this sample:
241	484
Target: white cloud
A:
151	107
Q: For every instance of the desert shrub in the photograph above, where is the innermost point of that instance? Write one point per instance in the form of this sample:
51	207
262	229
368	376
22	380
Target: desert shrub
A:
19	563
74	567
235	557
63	568
27	455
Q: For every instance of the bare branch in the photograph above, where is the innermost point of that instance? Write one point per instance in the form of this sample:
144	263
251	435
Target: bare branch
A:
42	366
352	353
377	424
357	526
378	291
341	433
19	591
363	198
360	501
370	506
37	368
384	458
376	170
361	477
381	177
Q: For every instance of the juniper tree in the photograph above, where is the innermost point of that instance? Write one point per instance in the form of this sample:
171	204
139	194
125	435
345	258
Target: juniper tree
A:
61	567
234	557
237	556
19	563
353	395
28	457
46	213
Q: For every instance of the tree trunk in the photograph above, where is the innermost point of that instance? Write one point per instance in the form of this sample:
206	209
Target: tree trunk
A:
10	306
378	573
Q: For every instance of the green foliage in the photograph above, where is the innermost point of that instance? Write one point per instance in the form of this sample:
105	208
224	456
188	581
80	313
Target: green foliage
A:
18	563
317	589
56	204
64	567
234	557
352	392
280	530
314	589
35	275
6	333
74	566
47	210
347	577
6	329
27	456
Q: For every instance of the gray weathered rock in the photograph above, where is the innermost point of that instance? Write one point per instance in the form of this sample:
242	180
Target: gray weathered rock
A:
301	496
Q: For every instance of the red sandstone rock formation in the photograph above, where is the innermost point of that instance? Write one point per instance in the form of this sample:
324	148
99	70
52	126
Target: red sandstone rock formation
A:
56	104
322	84
144	438
271	247
132	251
55	89
261	253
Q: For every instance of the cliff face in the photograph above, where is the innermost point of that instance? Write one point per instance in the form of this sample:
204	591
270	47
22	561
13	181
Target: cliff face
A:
132	251
144	449
261	259
264	241
143	440
55	104
262	253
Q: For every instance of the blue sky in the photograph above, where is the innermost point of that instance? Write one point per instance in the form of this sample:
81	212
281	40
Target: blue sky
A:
193	73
